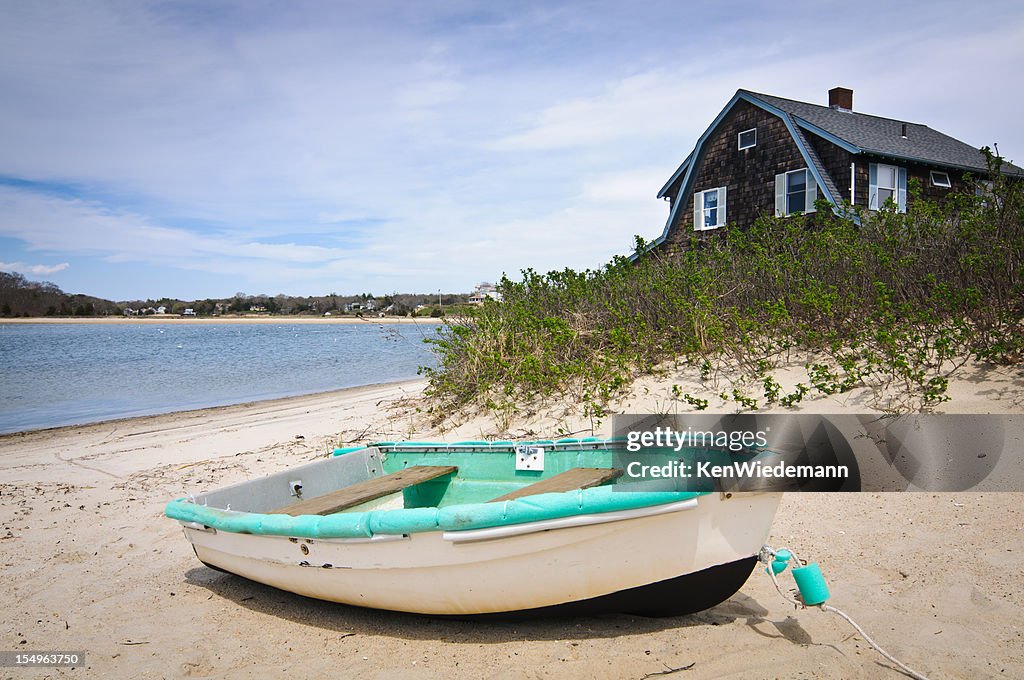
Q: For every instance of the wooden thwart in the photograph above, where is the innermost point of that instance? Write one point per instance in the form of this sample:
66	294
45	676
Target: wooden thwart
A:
576	478
368	490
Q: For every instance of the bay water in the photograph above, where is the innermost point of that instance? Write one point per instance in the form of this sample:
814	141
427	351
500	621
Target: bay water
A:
62	374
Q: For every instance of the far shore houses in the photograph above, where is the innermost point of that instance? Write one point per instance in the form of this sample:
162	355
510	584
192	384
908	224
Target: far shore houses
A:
482	292
129	311
766	154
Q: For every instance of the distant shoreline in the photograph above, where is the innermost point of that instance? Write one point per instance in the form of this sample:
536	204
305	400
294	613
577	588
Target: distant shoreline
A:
168	318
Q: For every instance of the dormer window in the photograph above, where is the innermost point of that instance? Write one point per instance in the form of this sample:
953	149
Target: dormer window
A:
940	179
748	139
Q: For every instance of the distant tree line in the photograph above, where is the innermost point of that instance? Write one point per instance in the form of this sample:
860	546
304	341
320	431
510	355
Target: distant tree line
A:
21	297
365	304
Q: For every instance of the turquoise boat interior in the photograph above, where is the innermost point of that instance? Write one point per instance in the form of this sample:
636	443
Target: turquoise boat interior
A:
448	487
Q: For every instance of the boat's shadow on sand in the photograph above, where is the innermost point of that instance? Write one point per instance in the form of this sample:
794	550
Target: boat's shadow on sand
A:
344	619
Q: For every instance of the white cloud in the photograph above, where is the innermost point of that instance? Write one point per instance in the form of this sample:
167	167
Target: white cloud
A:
351	146
35	269
77	226
640	105
638	186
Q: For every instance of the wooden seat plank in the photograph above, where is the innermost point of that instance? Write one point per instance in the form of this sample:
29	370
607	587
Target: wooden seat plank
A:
576	478
368	490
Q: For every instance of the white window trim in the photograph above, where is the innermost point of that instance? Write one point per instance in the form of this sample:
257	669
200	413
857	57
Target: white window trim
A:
698	209
739	137
895	180
943	182
782	193
899	195
853	183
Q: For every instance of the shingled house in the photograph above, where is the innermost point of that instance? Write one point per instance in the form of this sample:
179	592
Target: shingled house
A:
765	154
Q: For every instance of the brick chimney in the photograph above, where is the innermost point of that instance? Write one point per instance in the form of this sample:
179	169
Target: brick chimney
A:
840	98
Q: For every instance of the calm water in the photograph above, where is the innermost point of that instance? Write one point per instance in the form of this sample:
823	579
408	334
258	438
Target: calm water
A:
62	374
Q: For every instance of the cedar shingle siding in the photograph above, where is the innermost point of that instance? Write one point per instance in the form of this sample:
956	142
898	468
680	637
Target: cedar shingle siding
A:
749	175
837	164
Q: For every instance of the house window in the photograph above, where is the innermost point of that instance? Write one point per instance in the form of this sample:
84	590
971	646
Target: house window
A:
795	192
985	190
940	179
748	139
886	186
709	209
887	183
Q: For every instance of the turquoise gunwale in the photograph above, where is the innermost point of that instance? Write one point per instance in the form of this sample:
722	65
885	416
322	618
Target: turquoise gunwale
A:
456	516
460	517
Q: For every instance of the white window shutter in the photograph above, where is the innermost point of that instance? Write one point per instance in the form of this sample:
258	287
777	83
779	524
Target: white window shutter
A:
901	191
872	186
812	192
780	195
721	207
698	212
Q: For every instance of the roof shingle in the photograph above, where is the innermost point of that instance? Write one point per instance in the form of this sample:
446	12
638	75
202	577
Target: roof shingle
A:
884	136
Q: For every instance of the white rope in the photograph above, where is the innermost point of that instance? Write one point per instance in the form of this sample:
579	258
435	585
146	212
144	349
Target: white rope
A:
767	552
902	666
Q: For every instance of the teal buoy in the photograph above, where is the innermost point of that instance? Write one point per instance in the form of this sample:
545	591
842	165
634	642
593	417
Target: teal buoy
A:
780	562
813	589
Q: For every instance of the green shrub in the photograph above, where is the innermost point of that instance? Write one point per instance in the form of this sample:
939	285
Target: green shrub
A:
884	299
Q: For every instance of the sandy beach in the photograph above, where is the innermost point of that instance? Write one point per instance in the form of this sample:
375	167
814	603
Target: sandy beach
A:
91	564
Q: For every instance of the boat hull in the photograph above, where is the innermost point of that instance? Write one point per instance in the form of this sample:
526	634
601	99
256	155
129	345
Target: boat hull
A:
671	559
677	596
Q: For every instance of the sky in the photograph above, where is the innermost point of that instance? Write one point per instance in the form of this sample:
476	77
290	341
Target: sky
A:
199	149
